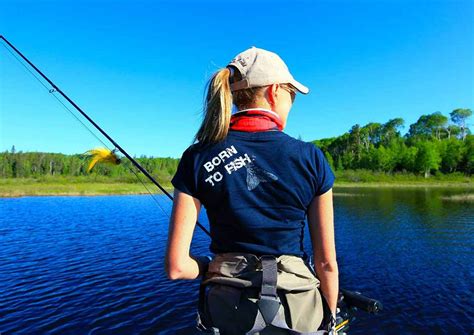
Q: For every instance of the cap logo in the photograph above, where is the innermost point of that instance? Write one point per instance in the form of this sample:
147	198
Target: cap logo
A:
239	59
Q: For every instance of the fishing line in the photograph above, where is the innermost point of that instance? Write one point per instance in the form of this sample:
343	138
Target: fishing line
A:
156	200
52	91
116	145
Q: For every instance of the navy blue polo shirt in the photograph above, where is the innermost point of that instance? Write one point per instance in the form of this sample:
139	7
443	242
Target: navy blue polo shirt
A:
256	188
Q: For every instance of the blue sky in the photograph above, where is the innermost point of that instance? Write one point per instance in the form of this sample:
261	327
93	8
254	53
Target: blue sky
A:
139	67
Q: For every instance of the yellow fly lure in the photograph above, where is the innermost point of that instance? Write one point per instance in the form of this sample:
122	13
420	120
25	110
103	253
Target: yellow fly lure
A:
102	155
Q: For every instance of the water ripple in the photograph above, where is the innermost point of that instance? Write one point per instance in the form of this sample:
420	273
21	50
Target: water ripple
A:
94	265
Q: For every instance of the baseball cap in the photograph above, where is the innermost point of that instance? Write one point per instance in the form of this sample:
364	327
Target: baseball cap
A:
259	67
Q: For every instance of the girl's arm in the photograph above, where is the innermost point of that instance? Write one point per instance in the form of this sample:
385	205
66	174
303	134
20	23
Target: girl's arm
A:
178	262
321	228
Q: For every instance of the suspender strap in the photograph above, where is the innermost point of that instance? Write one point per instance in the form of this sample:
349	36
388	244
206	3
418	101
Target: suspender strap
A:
269	276
269	303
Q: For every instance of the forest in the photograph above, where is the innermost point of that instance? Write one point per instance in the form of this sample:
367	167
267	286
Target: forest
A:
435	143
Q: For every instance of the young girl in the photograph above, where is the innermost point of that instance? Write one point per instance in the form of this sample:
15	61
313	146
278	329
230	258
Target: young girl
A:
258	186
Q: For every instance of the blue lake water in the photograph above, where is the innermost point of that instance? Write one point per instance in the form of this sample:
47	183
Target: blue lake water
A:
94	265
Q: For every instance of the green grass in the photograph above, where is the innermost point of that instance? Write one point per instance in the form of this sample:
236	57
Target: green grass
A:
100	185
16	187
366	178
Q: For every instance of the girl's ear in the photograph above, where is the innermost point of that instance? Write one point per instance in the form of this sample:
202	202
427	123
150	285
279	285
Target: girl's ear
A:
272	94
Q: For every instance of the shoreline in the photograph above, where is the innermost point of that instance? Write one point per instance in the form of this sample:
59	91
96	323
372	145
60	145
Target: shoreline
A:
31	187
40	189
407	184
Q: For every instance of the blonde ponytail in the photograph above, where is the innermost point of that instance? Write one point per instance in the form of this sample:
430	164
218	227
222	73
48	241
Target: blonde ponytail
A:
217	109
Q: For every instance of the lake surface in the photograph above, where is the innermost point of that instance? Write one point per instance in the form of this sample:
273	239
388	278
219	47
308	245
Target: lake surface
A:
94	265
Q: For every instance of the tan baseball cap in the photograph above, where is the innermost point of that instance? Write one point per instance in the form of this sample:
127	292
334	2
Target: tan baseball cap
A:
260	67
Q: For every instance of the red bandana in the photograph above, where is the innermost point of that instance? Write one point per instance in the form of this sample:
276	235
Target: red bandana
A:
253	120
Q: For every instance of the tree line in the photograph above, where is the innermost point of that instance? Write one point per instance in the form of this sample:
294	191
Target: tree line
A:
433	143
15	164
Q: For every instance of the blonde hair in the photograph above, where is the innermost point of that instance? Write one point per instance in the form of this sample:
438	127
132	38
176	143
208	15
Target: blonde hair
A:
218	105
217	109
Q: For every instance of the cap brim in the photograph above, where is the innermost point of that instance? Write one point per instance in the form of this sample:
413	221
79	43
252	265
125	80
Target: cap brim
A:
300	87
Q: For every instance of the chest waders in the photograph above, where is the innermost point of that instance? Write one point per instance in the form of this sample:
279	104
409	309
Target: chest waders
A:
270	312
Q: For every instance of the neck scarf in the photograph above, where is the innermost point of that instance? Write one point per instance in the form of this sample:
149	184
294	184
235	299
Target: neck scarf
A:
255	119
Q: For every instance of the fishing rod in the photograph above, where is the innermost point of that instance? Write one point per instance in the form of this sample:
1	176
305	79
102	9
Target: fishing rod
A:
116	145
349	301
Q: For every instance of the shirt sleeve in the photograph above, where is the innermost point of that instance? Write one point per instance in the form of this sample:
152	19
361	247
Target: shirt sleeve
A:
324	176
184	178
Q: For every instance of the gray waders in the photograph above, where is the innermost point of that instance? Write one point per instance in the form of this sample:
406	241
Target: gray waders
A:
239	296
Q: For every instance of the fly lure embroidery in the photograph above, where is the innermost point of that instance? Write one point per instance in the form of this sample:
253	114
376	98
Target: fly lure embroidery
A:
257	175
